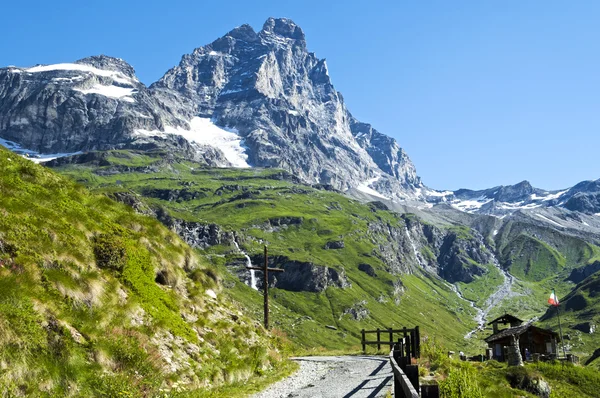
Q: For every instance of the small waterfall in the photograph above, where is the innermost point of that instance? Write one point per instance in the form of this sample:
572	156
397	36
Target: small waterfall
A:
414	247
248	264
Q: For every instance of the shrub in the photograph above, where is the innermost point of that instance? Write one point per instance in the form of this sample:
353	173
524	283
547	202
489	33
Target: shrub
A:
460	383
110	252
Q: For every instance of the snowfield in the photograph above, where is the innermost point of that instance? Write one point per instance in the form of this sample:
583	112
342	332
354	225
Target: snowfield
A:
204	132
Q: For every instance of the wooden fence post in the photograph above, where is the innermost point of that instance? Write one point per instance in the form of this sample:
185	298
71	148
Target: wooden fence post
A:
398	392
418	343
391	338
430	391
412	372
413	343
364	346
378	341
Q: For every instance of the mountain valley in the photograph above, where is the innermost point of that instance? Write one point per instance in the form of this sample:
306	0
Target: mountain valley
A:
151	201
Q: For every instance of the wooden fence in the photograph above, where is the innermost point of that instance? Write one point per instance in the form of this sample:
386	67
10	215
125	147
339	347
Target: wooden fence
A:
403	357
410	336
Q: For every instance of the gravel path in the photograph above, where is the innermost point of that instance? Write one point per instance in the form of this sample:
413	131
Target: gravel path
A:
335	377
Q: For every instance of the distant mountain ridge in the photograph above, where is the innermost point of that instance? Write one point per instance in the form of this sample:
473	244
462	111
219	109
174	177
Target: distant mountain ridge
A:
500	201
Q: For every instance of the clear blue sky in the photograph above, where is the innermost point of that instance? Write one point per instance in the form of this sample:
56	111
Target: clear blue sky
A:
479	93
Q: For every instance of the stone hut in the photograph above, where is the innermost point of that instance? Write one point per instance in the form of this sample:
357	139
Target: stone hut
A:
503	342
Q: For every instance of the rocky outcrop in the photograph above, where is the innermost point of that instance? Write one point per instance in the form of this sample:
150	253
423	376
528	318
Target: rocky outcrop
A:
579	274
201	236
335	244
134	201
302	276
358	311
588	203
585	327
175	195
457	256
460	259
195	234
367	269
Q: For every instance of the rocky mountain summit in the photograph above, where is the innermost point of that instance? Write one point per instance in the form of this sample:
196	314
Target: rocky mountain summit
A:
249	98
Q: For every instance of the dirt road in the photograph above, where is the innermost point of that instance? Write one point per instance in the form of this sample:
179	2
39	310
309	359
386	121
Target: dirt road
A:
335	377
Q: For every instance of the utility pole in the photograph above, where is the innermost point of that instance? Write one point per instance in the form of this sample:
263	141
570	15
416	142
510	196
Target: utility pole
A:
265	269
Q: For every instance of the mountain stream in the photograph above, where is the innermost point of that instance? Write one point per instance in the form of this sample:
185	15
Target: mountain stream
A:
492	301
248	264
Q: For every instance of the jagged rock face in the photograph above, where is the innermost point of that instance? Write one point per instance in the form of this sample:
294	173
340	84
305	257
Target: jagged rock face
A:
453	257
201	235
386	153
94	103
459	259
266	85
588	203
301	276
279	96
358	311
367	269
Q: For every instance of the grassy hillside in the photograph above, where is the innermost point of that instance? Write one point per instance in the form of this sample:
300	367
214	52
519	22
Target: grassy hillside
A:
99	301
580	316
542	260
252	204
297	222
492	379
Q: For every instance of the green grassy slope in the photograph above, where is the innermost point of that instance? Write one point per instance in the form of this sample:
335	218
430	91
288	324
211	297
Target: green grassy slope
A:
81	313
579	310
250	203
492	379
542	260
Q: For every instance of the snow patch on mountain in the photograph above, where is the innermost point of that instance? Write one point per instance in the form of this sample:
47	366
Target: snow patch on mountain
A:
549	220
470	206
116	76
122	93
365	187
440	194
34	156
517	205
204	132
549	196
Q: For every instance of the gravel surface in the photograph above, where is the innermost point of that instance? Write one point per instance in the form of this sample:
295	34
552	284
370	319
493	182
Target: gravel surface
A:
335	377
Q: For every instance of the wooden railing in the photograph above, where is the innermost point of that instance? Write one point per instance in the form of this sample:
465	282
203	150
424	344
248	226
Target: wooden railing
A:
410	337
403	357
403	386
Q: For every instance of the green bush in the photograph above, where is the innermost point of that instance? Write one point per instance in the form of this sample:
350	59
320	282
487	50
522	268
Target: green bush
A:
460	383
109	251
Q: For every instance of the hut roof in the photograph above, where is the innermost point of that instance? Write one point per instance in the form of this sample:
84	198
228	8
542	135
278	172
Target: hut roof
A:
506	318
517	331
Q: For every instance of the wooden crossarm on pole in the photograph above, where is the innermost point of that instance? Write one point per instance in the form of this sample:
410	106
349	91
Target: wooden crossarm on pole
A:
265	269
268	269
